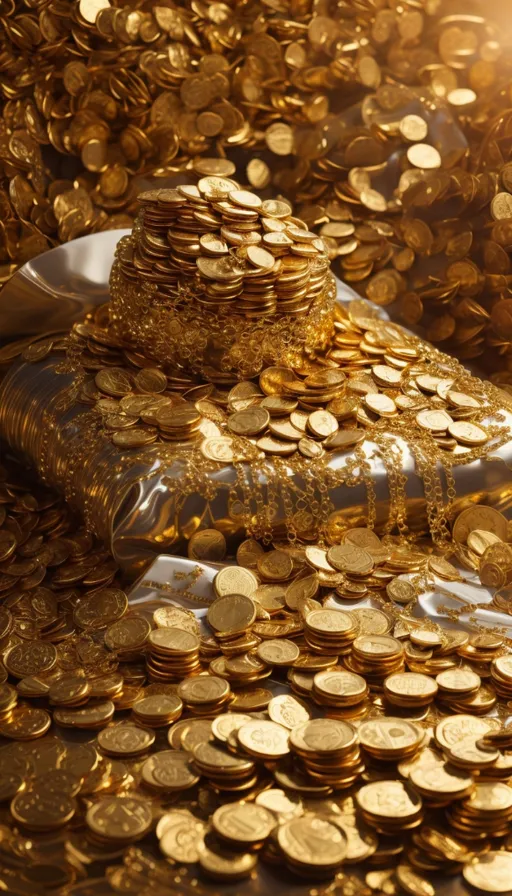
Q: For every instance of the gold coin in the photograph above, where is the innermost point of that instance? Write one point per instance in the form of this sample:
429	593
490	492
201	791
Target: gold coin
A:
322	424
278	652
235	580
388	800
243	823
182	837
412	883
468	433
501	206
264	739
169	770
249	422
422	155
199	691
226	866
479	517
125	740
489	872
119	819
232	613
413	128
351	559
275	565
312	841
287	711
323	736
208	545
457	727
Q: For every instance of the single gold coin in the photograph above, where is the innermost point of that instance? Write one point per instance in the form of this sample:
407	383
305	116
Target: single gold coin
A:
490	872
232	612
351	559
264	739
278	652
125	740
311	841
413	883
413	128
243	823
249	422
422	155
468	433
384	800
119	819
287	711
235	580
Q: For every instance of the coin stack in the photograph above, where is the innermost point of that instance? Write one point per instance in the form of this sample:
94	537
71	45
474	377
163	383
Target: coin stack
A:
438	850
375	657
329	751
227	247
485	813
501	676
205	695
390	740
157	710
409	690
172	654
225	770
391	807
342	691
330	631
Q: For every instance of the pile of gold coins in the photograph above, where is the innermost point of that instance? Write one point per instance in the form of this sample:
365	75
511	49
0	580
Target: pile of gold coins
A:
371	378
229	247
357	743
372	123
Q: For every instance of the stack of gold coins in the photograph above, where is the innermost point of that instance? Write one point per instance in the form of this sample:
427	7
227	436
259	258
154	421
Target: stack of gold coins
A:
233	613
457	686
341	690
391	807
241	669
486	812
205	695
329	751
390	739
409	690
375	657
225	770
330	631
243	825
125	740
172	654
241	250
440	783
501	676
438	850
157	710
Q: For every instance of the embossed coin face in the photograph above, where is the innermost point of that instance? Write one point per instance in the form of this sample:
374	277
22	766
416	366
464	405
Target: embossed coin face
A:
329	621
412	685
182	837
125	740
388	799
334	683
455	728
312	841
278	652
42	811
323	736
244	823
232	612
25	723
169	770
266	739
119	819
203	690
287	711
31	658
389	735
490	872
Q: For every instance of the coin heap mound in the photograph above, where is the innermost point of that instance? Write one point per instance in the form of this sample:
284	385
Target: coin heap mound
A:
218	254
243	744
